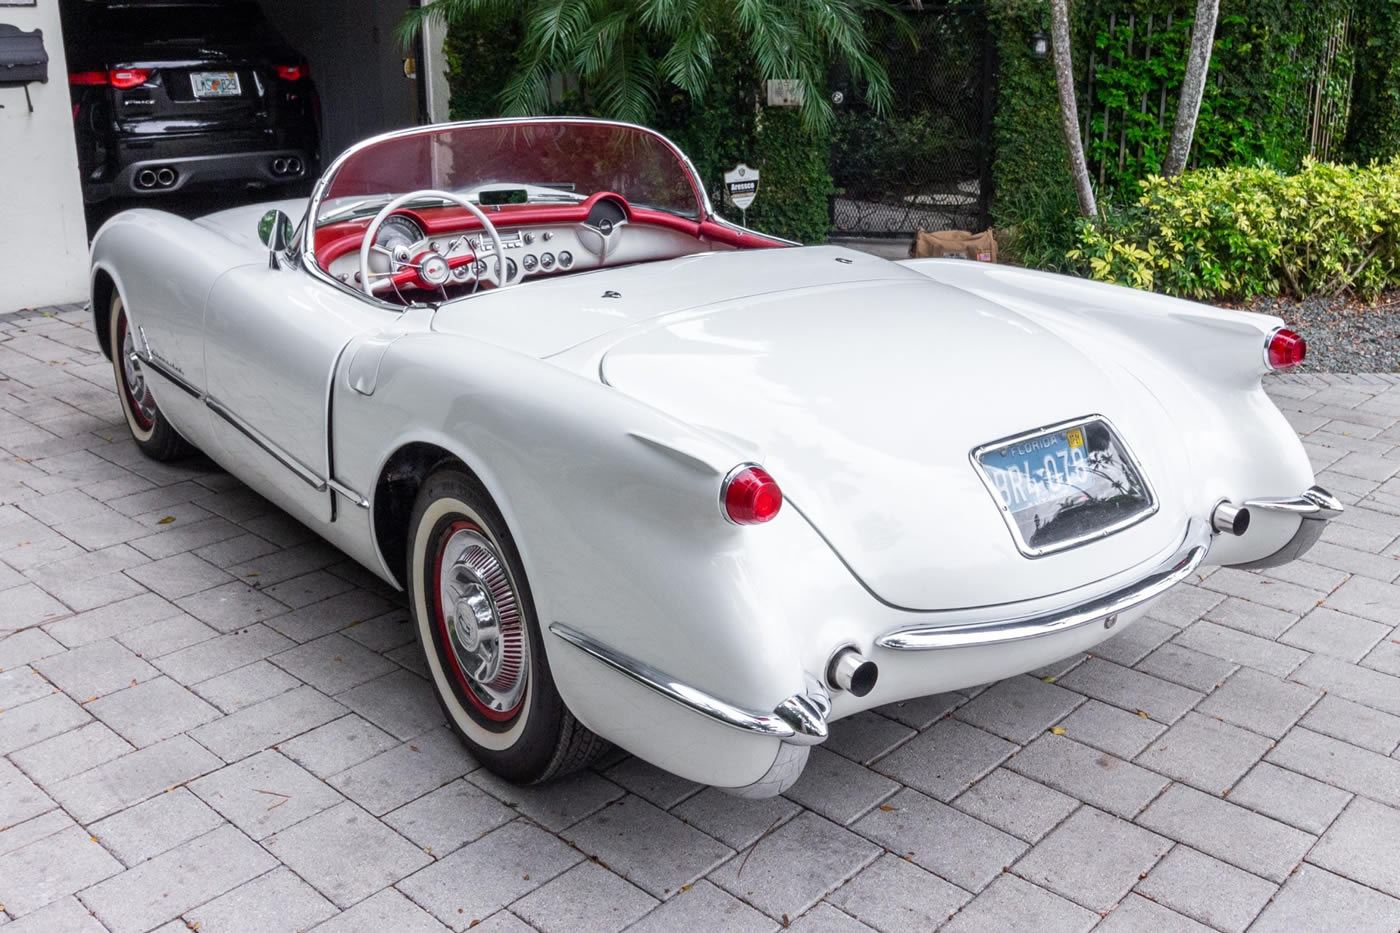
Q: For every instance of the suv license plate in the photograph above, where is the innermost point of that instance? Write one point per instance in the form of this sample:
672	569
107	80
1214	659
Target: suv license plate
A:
216	84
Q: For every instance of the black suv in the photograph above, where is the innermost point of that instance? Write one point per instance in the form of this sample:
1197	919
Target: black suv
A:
171	95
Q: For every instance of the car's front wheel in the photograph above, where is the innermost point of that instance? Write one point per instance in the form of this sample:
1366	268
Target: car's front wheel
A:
152	431
476	620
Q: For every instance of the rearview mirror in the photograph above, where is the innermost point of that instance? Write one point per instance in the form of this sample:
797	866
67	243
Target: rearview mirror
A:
275	230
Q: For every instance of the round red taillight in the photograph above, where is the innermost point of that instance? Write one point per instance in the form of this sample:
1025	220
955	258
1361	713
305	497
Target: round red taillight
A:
750	496
1286	349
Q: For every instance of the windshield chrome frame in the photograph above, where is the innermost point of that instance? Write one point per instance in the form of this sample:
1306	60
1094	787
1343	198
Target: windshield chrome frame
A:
305	244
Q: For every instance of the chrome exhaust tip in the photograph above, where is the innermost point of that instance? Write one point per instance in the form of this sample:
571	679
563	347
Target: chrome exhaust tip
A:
146	178
852	671
1229	519
293	166
279	166
165	177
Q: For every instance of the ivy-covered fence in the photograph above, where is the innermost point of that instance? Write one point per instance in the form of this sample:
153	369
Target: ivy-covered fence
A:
1280	90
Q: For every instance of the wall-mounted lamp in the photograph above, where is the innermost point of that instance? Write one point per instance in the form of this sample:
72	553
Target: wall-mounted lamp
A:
1040	44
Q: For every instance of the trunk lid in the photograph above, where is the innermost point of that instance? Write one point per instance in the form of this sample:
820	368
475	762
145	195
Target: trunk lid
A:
869	397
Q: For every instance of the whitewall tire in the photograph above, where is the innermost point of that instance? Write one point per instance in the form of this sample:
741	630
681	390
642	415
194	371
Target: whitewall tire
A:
475	618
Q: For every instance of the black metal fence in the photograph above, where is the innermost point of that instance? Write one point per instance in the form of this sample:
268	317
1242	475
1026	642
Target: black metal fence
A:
926	162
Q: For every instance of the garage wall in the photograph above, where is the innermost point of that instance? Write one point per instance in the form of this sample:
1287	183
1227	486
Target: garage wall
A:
357	65
43	243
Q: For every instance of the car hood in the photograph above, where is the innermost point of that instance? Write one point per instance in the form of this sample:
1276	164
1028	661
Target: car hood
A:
868	396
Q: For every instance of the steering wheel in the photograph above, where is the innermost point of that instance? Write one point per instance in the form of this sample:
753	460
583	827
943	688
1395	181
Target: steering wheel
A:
423	267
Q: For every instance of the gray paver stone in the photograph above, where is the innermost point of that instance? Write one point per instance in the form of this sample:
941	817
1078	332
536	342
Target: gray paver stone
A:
1230	833
277	902
1290	797
264	794
50	868
328	851
647	846
1363	845
450	817
704	908
170	884
1206	753
793	867
1012	905
498	869
586	897
1015	804
1093	858
1207	889
1321	902
943	840
156	826
946	759
1092	776
896	896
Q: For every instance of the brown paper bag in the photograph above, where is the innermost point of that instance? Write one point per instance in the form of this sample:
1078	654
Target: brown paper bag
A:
955	244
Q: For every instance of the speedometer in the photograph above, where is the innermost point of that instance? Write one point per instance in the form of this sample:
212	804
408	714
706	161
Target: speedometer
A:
398	230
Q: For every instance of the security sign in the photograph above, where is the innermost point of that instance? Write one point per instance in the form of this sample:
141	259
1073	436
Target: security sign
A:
742	186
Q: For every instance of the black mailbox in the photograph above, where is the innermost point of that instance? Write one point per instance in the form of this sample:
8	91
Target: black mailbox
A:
22	59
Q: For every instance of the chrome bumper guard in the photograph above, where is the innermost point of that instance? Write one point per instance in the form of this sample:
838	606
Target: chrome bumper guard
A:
1176	568
1316	507
798	720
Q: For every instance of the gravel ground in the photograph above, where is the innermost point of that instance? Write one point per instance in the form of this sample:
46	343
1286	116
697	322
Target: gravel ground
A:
1344	335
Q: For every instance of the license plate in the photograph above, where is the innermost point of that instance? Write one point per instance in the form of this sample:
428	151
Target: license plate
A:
1065	485
215	83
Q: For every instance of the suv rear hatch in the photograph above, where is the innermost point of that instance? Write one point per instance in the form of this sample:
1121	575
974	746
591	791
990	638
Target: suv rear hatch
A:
183	68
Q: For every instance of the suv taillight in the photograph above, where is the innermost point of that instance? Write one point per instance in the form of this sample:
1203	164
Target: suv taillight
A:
291	72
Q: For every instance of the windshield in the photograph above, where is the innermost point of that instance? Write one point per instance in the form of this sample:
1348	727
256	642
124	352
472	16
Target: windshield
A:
527	162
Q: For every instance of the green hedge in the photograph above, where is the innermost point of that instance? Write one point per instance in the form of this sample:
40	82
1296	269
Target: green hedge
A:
1238	232
1254	109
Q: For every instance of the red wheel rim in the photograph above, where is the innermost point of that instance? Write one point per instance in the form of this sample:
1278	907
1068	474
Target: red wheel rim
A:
126	367
481	572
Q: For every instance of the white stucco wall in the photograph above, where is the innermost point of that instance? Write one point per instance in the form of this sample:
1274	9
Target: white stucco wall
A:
43	242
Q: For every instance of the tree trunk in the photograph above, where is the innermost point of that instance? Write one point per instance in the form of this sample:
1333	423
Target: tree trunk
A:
1193	85
1069	107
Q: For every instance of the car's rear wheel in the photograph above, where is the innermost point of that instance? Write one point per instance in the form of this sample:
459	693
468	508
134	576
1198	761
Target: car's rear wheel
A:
151	430
476	620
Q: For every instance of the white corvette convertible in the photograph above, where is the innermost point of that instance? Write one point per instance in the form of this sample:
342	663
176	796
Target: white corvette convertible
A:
652	478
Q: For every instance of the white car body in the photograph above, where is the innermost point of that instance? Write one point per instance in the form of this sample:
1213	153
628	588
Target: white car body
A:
603	411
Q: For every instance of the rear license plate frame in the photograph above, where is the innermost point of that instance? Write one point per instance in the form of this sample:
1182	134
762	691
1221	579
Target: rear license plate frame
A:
1053	441
216	92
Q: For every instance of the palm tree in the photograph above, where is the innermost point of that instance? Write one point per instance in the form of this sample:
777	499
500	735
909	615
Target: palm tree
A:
626	51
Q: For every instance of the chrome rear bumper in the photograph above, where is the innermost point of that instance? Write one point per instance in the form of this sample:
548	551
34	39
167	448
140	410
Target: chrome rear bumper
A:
1183	562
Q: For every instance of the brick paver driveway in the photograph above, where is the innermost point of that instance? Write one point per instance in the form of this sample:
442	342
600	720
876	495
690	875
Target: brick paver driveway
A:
208	717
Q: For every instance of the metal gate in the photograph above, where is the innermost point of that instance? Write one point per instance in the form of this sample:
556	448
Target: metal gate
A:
926	162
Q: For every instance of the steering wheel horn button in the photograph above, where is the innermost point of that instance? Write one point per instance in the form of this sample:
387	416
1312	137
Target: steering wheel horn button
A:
434	269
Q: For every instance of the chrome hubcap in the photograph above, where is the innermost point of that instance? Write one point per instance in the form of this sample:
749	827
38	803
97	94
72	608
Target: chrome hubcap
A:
481	614
136	380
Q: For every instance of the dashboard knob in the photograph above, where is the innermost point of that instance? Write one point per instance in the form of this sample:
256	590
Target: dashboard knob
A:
528	237
548	235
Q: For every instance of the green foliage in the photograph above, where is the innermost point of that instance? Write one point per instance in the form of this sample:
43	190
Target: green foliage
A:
1243	231
1267	54
1255	109
796	185
1033	203
1374	128
627	53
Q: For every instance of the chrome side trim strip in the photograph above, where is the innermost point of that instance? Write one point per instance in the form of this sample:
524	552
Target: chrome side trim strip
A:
302	472
1176	568
799	720
341	489
167	374
1315	503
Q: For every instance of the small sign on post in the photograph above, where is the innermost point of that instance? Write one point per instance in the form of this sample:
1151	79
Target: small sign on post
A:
741	184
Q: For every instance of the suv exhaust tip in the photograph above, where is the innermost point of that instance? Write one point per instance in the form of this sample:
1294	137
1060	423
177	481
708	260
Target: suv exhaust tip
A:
146	178
165	176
